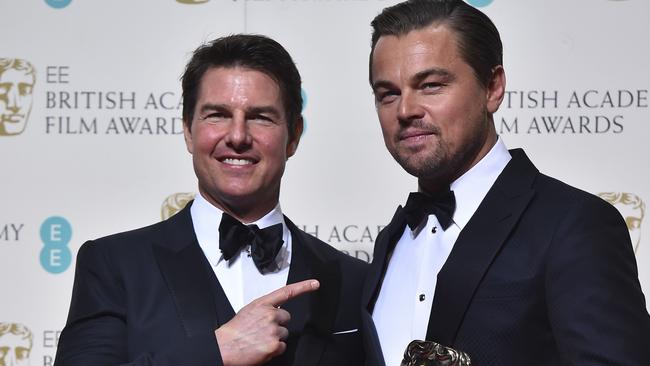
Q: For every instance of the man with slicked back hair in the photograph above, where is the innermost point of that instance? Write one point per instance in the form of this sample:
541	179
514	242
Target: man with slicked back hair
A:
489	257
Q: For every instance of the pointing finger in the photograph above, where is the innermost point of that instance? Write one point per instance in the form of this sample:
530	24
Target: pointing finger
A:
284	294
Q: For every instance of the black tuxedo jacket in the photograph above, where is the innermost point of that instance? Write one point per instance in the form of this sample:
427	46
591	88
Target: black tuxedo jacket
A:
150	297
543	274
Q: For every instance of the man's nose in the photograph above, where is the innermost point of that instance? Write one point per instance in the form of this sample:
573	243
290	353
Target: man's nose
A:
409	108
239	136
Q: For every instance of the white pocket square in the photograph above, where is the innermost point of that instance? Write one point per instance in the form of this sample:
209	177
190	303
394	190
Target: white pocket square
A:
346	331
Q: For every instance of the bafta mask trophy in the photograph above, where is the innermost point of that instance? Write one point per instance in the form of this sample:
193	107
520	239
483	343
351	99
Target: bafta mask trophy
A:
428	353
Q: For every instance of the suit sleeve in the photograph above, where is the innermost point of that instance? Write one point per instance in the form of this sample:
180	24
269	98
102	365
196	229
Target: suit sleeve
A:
595	303
96	330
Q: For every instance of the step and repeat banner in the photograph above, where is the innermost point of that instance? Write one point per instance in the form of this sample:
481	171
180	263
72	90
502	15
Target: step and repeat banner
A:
91	132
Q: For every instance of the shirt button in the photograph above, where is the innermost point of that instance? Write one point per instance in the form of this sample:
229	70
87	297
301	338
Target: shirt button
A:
422	297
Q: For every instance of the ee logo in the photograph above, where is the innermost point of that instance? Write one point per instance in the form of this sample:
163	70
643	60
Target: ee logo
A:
56	233
58	4
303	95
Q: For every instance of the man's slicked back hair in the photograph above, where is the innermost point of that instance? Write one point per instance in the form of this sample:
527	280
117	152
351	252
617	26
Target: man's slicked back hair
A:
255	52
477	37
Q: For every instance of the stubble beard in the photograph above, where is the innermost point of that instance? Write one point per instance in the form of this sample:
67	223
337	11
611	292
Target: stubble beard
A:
439	166
433	165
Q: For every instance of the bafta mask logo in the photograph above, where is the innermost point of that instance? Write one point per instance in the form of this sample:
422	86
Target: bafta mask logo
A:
15	344
173	204
633	210
17	78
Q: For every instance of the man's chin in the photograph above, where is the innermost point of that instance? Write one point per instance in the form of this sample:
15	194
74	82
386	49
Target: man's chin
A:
417	165
237	195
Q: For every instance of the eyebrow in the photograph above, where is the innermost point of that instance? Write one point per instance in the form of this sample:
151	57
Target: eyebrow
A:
382	84
417	78
434	71
264	110
212	107
209	107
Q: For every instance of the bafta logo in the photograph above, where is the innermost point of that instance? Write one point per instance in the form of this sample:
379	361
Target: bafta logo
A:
17	78
173	204
632	208
15	344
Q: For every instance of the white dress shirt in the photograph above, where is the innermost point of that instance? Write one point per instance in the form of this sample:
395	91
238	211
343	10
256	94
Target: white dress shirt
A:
401	313
239	278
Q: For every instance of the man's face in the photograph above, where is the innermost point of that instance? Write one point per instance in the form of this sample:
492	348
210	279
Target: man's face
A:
435	115
14	350
239	140
15	100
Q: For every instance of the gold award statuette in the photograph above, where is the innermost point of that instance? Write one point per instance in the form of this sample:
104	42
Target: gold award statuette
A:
428	353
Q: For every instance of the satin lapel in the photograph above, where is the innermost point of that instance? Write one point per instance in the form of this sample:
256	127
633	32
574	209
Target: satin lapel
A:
477	245
384	246
313	315
189	277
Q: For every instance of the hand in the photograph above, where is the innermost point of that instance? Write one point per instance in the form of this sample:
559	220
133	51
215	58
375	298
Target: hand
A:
256	334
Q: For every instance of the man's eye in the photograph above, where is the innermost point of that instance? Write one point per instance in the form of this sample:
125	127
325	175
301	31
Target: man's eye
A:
214	117
386	96
261	119
431	86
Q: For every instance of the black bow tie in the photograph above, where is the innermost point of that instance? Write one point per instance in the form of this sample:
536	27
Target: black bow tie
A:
265	243
419	205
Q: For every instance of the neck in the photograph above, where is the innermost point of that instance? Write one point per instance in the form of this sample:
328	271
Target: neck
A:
430	188
239	208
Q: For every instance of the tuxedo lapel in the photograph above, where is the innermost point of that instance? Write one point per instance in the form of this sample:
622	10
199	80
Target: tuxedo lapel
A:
312	314
384	246
477	245
198	296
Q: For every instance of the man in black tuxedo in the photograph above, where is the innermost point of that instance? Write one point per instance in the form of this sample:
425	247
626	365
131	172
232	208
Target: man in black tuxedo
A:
490	257
207	286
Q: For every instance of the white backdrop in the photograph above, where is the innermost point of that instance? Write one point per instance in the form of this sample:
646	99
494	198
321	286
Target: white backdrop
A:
101	166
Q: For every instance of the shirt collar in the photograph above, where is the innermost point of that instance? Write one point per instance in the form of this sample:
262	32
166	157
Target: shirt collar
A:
206	219
471	188
206	213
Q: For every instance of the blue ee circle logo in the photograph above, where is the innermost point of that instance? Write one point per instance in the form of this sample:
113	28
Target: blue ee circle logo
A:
56	233
480	3
58	4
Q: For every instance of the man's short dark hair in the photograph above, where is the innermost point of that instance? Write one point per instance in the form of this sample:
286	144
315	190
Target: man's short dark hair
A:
255	52
478	39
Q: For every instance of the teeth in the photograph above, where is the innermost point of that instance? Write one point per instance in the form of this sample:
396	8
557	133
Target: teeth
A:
232	161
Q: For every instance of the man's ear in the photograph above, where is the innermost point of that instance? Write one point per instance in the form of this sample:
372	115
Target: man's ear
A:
187	134
292	146
496	89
